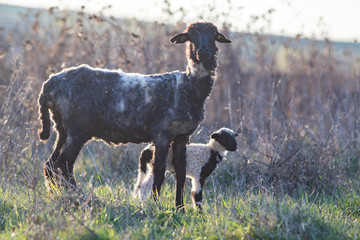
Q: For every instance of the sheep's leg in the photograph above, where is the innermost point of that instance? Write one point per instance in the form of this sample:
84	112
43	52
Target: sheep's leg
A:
68	156
179	162
161	150
48	169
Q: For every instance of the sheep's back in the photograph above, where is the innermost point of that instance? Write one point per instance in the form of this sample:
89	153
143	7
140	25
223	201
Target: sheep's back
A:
116	106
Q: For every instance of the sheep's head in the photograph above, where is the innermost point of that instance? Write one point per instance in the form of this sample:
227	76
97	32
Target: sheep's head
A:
226	138
201	48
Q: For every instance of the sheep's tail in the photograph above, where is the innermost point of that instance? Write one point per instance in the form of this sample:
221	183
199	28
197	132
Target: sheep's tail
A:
44	133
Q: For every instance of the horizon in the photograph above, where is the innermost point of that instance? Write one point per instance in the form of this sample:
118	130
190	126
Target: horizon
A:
280	17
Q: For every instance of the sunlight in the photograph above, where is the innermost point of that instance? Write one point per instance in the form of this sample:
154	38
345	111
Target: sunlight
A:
310	18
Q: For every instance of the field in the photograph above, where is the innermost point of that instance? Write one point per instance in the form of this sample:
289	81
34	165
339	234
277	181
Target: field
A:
295	103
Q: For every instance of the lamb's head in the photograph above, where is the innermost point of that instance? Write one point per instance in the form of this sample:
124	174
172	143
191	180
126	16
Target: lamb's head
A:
226	138
201	48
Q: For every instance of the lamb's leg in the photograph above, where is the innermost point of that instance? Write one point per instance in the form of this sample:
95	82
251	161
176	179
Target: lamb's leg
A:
179	162
145	157
161	150
68	156
196	193
145	188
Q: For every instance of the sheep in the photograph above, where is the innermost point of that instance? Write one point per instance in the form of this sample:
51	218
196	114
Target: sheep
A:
201	161
91	103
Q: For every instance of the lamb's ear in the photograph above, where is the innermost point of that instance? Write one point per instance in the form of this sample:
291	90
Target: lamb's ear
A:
180	38
215	135
221	38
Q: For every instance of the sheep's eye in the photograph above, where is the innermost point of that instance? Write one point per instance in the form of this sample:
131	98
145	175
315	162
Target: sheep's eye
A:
219	37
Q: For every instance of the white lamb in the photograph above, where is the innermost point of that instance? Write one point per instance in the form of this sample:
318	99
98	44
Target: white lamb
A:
201	160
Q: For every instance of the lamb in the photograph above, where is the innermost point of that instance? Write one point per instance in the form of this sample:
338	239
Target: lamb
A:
201	160
91	103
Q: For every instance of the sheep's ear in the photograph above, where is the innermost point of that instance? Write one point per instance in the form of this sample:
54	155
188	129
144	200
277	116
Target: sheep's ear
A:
215	135
221	38
180	38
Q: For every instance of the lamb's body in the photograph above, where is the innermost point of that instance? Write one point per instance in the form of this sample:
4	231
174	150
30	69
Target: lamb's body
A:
117	107
201	161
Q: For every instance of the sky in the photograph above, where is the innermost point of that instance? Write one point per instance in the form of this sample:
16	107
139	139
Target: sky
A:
333	19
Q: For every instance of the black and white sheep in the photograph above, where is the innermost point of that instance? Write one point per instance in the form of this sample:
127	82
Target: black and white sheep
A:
201	161
92	103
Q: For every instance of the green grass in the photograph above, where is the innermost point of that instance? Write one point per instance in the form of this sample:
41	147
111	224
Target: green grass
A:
100	213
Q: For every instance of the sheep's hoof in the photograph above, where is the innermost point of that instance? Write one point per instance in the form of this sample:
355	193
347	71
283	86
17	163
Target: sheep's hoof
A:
69	182
180	209
51	177
49	169
199	207
55	178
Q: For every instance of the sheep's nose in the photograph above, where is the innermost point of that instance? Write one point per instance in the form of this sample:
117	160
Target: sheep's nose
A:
203	54
233	147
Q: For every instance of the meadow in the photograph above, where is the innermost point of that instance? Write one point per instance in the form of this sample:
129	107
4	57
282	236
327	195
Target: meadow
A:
295	103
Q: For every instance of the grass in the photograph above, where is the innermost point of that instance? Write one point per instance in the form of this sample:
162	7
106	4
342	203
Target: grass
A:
294	103
107	210
98	213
